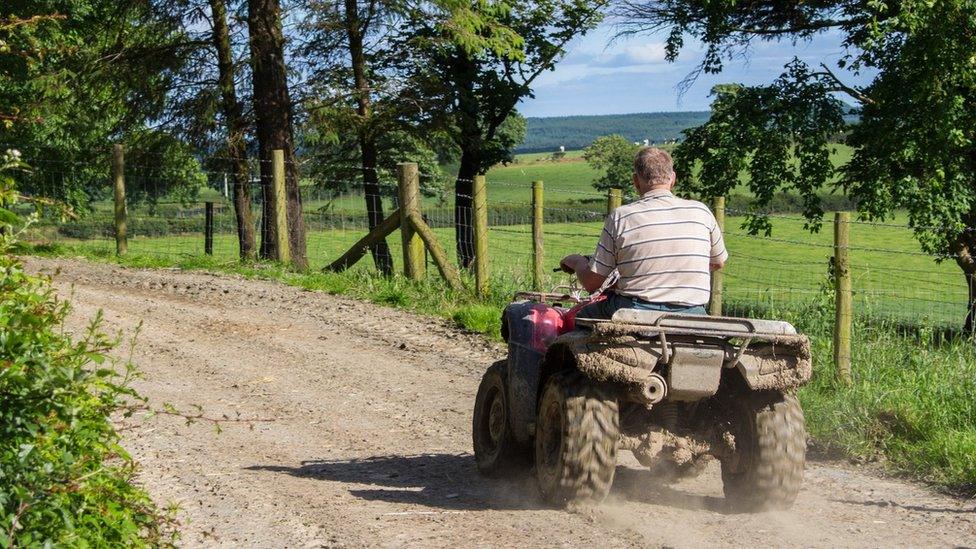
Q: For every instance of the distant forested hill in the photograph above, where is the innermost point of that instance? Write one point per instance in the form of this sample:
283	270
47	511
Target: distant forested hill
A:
576	132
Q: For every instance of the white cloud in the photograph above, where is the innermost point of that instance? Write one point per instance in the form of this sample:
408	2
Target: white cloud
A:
599	54
601	74
642	54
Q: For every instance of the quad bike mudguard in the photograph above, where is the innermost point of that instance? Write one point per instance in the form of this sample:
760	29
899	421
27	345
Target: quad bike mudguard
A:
529	328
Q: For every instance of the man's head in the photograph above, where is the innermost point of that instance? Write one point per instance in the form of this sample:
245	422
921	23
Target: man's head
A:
653	169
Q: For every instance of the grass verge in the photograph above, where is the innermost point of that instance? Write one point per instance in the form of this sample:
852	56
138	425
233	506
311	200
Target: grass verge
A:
911	407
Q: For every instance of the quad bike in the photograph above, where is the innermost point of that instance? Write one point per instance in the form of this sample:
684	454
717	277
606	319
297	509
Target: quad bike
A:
672	388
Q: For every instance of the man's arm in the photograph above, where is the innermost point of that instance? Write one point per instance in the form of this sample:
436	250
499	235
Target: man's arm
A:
576	263
719	254
593	272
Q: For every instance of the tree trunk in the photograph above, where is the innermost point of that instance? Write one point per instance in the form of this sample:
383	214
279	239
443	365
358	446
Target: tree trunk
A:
970	324
273	117
367	138
964	248
463	206
374	205
236	131
469	116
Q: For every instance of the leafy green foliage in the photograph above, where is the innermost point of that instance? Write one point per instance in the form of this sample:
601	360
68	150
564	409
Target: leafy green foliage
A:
64	479
614	156
334	155
76	75
161	167
915	147
778	133
915	144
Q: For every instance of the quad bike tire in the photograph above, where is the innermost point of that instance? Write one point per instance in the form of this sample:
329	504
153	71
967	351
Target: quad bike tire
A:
496	451
766	471
576	437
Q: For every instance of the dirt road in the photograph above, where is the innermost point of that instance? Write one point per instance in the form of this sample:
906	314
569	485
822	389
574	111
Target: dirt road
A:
370	442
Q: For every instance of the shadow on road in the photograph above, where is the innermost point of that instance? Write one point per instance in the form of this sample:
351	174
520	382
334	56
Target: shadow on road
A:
640	485
445	481
451	482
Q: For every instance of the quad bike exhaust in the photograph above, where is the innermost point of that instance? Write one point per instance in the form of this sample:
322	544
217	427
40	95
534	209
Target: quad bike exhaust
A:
651	391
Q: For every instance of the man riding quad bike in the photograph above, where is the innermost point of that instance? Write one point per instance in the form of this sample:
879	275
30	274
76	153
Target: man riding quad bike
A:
638	365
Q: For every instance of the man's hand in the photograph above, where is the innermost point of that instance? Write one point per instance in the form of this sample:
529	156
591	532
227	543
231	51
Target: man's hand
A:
580	265
574	263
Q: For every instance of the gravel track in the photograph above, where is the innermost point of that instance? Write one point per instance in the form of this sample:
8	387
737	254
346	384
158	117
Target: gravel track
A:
370	439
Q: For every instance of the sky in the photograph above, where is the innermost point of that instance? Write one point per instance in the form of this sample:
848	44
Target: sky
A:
603	76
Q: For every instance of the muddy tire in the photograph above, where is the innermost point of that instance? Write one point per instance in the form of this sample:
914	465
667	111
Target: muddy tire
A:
575	440
766	471
495	449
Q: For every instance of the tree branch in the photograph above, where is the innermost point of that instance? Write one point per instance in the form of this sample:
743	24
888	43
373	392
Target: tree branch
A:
839	86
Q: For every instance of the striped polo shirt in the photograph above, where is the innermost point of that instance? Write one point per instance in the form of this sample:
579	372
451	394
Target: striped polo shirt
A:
662	246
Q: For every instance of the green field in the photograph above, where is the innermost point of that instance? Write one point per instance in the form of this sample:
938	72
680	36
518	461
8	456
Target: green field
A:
891	278
571	178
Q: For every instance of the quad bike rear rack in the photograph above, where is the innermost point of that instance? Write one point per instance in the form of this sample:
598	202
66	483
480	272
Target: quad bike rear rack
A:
651	324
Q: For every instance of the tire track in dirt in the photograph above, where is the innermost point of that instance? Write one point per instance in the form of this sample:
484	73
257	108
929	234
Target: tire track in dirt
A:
371	446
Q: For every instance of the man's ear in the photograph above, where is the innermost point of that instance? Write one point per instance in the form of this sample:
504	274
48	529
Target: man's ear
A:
674	179
636	183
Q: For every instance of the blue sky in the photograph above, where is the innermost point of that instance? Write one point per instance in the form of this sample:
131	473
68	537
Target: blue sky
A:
601	76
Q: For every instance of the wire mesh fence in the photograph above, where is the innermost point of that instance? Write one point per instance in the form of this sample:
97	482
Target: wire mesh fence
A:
892	277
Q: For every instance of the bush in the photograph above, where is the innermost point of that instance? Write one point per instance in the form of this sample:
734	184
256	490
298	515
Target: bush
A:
64	479
100	227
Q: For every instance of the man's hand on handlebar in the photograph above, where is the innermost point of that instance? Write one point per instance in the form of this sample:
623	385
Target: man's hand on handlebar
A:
574	263
580	266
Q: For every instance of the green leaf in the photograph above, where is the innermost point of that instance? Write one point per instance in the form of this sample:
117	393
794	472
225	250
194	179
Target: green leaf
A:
8	217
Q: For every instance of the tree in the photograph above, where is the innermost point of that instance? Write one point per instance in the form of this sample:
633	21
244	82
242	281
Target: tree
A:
206	103
358	91
273	119
76	75
914	144
332	153
614	156
476	90
236	128
165	168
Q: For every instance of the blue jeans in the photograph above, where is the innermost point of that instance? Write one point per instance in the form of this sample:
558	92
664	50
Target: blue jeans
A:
613	302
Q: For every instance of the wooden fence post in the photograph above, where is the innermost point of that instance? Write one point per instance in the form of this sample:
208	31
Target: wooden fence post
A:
408	179
118	181
614	199
715	302
843	315
480	200
538	215
208	227
280	205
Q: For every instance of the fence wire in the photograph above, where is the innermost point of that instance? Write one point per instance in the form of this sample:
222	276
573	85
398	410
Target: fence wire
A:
892	277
